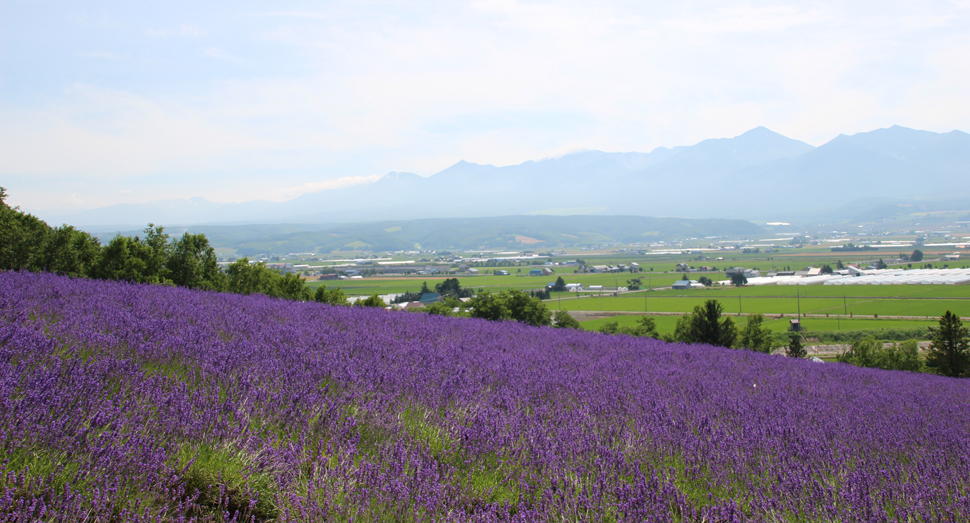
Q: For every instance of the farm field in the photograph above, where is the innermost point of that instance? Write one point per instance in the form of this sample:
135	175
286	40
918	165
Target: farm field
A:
665	324
136	402
393	284
656	302
917	301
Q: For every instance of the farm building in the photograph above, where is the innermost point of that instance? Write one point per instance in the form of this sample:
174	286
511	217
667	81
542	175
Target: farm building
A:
282	267
430	297
537	272
574	287
682	284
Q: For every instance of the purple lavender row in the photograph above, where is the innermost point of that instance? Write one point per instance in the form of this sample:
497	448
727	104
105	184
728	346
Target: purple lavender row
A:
147	403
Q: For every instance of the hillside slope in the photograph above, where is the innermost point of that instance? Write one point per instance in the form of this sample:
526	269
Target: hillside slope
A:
125	402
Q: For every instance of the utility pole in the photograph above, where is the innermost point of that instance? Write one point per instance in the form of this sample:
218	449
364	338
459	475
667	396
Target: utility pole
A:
739	304
845	306
798	297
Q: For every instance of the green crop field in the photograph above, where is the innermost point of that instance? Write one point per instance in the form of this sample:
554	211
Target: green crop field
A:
863	303
657	302
666	324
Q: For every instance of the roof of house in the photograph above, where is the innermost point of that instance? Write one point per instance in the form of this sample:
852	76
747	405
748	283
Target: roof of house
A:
429	297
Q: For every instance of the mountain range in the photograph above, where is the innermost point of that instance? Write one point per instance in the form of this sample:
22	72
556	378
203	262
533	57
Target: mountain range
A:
759	175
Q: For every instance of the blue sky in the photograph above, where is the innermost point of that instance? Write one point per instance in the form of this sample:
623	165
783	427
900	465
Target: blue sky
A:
110	102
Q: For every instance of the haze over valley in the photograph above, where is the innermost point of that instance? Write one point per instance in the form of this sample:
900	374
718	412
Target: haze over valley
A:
759	175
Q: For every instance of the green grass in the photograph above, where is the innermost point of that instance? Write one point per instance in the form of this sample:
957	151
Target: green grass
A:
667	302
227	479
666	324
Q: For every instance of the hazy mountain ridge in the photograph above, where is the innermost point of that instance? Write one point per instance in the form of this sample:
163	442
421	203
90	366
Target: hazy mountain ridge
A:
757	175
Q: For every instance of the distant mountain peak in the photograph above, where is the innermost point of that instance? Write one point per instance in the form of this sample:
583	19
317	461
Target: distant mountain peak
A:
465	163
762	132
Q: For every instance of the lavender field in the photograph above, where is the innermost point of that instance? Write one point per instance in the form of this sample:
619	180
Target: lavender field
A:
124	402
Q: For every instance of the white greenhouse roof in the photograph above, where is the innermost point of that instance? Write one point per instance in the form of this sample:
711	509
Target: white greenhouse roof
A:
871	277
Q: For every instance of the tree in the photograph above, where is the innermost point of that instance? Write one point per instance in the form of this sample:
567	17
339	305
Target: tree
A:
862	353
243	277
22	237
900	356
795	348
424	288
158	253
949	352
372	301
124	259
541	294
610	327
681	330
881	264
192	262
868	352
634	284
705	281
917	256
510	305
738	279
291	286
707	326
827	269
449	287
439	309
489	307
839	265
560	285
563	320
526	309
69	251
646	327
756	336
330	296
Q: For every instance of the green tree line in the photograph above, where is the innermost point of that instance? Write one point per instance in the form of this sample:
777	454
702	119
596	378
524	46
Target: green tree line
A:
29	244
